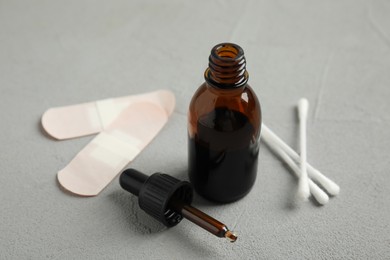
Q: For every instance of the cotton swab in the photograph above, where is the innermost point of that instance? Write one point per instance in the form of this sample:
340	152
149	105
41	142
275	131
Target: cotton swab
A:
321	197
303	184
267	135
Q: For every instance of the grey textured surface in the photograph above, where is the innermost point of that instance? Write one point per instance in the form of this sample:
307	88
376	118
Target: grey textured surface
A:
336	53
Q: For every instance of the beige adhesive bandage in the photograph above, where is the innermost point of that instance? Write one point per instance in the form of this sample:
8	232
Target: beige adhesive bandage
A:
93	117
97	164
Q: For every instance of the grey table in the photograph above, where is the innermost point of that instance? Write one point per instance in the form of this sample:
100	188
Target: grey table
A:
335	53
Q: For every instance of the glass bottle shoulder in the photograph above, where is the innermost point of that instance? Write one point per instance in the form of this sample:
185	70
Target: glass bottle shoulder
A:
207	98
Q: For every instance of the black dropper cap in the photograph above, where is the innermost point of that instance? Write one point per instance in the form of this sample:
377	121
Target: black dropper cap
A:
156	193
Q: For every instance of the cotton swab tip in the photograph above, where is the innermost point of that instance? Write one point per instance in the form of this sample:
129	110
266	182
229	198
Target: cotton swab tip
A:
303	107
333	188
303	189
320	196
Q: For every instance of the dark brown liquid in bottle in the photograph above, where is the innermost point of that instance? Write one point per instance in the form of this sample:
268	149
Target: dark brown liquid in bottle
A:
223	162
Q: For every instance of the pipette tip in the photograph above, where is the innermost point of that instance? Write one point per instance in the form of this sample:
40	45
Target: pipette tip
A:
231	236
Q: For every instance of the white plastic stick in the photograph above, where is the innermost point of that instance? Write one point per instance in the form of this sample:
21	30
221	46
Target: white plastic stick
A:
321	197
331	187
303	184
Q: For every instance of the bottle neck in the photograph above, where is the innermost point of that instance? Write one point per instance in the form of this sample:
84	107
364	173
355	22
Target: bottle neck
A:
227	67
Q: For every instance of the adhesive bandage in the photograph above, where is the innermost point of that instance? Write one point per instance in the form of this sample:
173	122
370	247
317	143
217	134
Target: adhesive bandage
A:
125	126
93	117
96	165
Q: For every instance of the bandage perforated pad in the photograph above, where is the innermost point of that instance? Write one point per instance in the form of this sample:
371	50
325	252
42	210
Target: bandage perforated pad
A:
126	126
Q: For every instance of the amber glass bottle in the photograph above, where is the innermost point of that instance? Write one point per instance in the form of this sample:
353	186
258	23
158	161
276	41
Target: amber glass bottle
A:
224	123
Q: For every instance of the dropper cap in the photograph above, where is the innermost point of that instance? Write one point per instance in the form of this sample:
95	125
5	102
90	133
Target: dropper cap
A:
156	192
168	200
